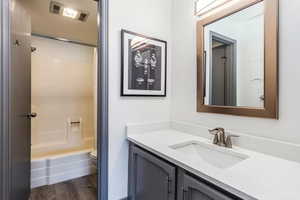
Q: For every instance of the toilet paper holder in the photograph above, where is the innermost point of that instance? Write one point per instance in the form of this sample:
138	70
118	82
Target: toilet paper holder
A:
75	122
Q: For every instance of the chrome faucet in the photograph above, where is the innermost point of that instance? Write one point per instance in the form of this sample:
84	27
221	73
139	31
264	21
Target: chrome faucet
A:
220	137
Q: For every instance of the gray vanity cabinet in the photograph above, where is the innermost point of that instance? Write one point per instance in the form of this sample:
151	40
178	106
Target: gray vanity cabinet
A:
150	178
153	178
190	188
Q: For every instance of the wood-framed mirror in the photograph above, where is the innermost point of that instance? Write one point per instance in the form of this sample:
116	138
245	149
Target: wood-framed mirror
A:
237	60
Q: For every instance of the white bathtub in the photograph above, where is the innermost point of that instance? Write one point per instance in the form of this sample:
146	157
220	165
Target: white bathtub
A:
60	166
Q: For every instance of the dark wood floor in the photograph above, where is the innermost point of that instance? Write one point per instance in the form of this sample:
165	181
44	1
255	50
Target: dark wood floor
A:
84	188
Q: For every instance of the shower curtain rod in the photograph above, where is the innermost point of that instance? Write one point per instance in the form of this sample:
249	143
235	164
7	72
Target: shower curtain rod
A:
62	40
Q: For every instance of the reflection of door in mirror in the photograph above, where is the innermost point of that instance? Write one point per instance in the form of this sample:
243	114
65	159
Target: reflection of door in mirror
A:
223	68
234	47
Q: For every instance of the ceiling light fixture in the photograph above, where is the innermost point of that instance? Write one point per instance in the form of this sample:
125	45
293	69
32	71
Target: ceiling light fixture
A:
69	12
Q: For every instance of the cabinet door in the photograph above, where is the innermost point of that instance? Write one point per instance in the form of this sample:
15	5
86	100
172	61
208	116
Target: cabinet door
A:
190	188
150	178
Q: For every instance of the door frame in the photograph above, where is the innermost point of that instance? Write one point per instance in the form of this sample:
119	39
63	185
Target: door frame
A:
4	99
103	100
102	110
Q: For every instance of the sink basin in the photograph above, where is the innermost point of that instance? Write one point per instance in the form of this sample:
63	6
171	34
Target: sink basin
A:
219	157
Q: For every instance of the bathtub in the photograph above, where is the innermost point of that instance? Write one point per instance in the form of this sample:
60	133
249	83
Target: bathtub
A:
60	166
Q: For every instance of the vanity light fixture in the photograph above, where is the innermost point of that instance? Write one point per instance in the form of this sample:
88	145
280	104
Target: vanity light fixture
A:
203	7
70	12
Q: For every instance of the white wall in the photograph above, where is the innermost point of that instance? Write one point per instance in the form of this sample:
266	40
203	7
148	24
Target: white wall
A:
250	69
152	18
62	88
184	77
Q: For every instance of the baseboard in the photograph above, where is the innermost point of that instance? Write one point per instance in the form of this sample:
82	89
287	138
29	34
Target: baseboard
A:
51	170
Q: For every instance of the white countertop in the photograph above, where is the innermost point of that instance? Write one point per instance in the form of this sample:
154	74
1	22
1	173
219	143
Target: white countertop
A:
260	176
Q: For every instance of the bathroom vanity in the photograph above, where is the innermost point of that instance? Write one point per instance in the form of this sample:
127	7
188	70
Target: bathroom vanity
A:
168	162
152	177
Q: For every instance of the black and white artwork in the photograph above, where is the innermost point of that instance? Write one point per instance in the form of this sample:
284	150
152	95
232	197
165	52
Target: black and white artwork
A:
143	65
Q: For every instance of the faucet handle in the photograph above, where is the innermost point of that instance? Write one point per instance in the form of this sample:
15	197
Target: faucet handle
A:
215	132
228	141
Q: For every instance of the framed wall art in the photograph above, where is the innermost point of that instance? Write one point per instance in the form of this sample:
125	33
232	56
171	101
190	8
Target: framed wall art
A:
144	65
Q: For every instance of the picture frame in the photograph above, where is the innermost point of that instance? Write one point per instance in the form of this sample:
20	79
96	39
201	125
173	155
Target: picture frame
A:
144	65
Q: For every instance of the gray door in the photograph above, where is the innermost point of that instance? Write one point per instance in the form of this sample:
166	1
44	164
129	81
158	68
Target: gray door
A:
223	70
219	75
20	101
190	188
150	178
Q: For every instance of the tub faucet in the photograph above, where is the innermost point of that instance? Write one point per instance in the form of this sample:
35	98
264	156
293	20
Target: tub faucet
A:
220	137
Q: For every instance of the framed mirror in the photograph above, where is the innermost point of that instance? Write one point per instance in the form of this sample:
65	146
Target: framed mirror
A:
237	60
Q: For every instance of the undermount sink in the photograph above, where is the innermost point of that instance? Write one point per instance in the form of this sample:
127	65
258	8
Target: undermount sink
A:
219	157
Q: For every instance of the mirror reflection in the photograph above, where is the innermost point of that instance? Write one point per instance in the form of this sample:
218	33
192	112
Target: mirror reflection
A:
234	59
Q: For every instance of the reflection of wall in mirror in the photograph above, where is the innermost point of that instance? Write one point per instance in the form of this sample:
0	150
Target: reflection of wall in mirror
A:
247	27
